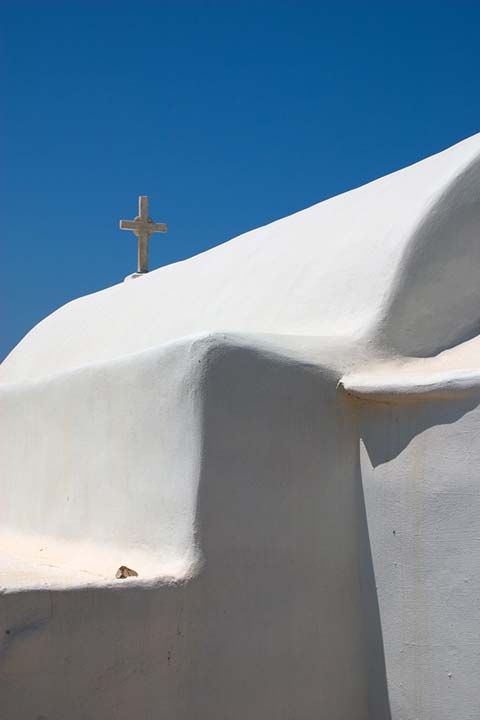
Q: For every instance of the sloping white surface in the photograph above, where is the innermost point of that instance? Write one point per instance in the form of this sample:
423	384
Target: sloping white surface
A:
390	255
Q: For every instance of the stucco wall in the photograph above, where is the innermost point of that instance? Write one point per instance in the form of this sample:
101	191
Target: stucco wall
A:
420	468
301	553
276	621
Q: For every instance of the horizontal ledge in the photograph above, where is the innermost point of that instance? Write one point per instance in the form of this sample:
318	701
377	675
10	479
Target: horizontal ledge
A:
31	561
411	387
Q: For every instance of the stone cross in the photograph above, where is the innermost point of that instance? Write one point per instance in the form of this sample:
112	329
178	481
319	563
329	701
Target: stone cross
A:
143	226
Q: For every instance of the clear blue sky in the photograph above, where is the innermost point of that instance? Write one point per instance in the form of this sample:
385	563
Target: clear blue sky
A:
228	114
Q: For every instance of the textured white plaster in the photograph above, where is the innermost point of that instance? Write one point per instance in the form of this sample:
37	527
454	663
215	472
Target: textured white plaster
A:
281	436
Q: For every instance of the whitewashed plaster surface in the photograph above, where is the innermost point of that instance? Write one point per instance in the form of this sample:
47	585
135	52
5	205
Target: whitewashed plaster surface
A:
281	436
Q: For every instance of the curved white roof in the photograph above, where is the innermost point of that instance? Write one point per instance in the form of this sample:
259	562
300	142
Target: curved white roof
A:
395	262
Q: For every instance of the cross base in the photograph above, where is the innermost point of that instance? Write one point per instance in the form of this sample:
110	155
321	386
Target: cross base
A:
135	275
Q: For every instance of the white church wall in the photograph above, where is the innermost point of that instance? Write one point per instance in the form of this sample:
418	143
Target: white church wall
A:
277	621
106	455
300	553
420	468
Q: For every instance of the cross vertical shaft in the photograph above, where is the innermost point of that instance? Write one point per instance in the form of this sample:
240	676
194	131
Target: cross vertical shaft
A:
142	261
143	207
142	258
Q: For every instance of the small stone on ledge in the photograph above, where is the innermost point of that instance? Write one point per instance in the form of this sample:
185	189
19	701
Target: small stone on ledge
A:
124	572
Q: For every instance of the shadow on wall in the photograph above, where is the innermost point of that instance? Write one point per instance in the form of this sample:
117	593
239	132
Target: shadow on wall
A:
396	425
282	621
287	595
420	465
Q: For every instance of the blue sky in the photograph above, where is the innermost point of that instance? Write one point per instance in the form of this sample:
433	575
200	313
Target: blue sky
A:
227	114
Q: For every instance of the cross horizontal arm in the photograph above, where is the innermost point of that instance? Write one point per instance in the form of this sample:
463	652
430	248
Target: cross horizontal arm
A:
149	227
128	225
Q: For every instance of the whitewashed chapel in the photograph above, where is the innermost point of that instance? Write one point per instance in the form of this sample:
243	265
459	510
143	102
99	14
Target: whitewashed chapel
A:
247	486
